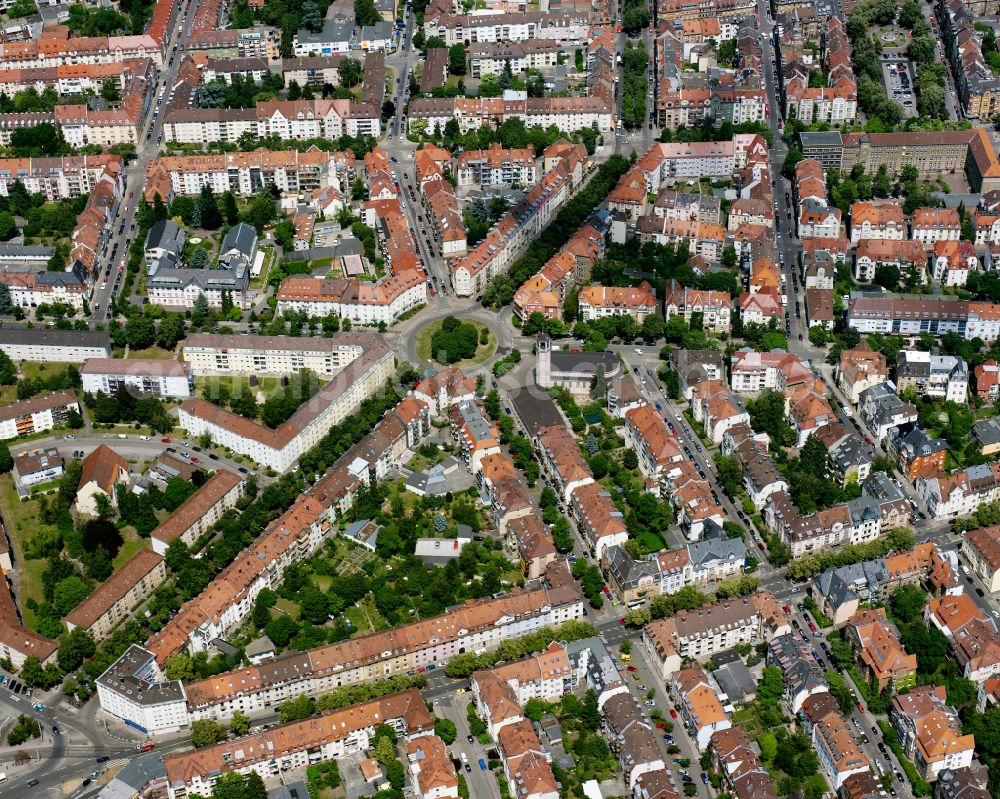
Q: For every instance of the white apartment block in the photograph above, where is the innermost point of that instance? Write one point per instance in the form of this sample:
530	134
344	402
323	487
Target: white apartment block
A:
272	356
281	448
25	417
133	689
565	27
362	303
157	378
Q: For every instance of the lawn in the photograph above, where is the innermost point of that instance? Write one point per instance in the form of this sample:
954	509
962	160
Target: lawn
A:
33	370
132	545
21	521
483	351
237	386
650	541
287	607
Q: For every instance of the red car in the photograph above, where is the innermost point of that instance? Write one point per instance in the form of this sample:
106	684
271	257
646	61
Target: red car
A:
860	707
148	746
632	668
661	725
812	627
673	713
165	440
621	621
195	460
788	608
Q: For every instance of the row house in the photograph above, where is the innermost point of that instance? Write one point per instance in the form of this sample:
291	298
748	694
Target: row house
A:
987	380
981	550
941	376
953	261
598	520
699	705
646	433
801	673
545	291
973	635
737	762
699	563
835	105
960	494
698	634
880	653
247	173
932	225
349	731
877	220
839	754
363	303
860	520
762	306
714	306
882	409
717	409
904	255
910	317
480	625
496	166
859	369
491	58
475	436
597	302
569	114
508	239
570	27
930	731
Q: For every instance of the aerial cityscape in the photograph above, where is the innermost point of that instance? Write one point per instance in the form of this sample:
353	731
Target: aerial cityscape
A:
500	399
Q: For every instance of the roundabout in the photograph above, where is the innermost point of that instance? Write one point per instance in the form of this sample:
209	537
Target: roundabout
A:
455	340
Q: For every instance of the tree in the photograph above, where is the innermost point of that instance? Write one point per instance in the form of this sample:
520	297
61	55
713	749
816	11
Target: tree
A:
365	12
385	750
350	71
169	332
74	648
239	724
208	209
313	604
69	593
456	59
908	603
206	732
140	332
446	730
179	667
771	686
230	208
8	228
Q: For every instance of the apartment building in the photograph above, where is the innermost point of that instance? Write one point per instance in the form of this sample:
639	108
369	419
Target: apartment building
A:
717	409
646	433
973	634
157	378
496	166
560	458
737	761
714	306
199	512
953	261
665	163
298	744
802	675
28	290
511	235
930	732
363	303
910	317
490	58
33	467
134	690
443	389
112	602
698	634
916	451
311	70
281	447
859	369
17	642
981	550
931	225
942	376
698	703
46	345
26	417
597	301
752	371
483	624
247	173
879	651
569	27
474	435
987	380
569	114
877	220
215	354
632	739
904	255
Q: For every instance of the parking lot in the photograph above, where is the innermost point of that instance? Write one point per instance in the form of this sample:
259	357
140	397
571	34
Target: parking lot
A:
898	80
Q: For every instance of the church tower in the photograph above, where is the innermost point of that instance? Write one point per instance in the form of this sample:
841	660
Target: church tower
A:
543	363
